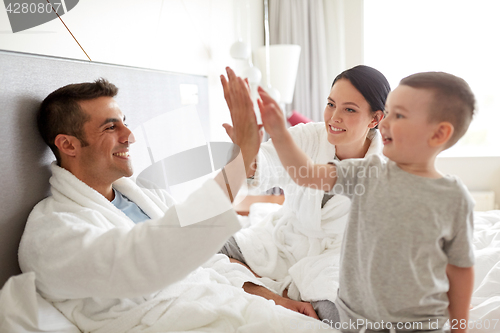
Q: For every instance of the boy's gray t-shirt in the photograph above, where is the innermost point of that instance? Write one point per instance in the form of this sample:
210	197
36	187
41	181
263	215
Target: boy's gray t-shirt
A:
402	231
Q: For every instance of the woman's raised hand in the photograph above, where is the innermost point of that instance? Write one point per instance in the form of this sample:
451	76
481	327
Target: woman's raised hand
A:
272	116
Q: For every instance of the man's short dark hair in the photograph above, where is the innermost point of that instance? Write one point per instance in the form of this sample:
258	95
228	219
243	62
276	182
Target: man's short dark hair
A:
60	112
453	100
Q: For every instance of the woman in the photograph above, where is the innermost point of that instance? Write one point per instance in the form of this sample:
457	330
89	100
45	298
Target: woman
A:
296	248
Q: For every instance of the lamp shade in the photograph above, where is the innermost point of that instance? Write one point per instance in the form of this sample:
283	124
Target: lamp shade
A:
284	62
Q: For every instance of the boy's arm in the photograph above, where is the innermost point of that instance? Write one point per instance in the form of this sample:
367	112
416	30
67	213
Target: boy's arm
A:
459	295
298	165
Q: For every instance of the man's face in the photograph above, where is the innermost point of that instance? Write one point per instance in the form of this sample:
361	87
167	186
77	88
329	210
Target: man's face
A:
106	157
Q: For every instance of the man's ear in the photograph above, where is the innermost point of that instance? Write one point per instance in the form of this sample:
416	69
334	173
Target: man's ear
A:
67	145
442	134
378	116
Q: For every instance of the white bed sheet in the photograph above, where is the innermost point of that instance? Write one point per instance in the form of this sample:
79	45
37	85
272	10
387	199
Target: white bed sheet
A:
23	310
485	314
205	301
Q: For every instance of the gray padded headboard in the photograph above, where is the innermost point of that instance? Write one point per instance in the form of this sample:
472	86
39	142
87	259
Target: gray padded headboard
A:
25	80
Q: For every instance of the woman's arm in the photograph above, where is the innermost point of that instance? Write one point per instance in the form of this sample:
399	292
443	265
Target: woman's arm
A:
459	295
297	164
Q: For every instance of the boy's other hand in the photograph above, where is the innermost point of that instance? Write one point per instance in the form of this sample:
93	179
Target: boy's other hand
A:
272	116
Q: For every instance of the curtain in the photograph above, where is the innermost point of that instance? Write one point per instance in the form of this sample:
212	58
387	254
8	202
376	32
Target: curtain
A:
315	25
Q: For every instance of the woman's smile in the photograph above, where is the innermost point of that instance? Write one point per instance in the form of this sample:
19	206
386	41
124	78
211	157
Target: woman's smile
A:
336	130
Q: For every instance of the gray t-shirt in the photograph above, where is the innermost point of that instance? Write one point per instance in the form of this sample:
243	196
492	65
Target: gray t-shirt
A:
402	231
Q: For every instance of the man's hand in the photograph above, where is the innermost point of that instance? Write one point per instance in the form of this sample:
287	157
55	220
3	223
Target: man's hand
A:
245	131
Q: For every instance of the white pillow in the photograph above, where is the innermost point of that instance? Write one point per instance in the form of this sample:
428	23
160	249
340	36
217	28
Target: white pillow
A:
22	309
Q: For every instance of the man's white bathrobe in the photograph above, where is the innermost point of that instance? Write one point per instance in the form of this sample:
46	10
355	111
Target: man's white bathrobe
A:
107	274
298	246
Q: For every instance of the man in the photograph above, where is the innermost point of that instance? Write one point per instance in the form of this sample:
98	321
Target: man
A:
102	248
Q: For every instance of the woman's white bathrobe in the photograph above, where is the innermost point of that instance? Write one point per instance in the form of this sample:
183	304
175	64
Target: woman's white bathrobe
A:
107	274
298	246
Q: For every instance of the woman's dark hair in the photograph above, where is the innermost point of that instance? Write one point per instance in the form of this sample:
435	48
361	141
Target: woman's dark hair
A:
370	83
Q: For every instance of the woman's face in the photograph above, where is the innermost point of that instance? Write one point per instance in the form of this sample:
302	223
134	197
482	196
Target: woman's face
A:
348	115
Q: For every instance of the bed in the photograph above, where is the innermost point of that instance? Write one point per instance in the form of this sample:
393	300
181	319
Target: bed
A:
485	311
208	299
485	314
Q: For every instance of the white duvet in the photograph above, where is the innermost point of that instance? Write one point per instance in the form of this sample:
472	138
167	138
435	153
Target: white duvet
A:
207	301
211	299
485	314
204	301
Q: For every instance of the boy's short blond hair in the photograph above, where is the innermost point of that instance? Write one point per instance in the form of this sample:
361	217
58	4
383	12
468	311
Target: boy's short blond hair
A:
453	101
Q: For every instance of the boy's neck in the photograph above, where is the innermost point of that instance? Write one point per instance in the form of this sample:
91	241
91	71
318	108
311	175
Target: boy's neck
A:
425	169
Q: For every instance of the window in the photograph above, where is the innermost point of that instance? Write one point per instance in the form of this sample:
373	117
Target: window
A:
454	36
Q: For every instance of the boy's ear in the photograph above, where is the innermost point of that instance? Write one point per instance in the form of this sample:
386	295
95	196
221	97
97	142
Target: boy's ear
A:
442	134
379	115
67	144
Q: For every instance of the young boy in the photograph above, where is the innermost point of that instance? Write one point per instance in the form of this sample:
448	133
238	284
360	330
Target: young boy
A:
407	254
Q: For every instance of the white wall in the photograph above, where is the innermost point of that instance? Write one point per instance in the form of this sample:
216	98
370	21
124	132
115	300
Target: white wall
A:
194	36
186	36
344	44
477	173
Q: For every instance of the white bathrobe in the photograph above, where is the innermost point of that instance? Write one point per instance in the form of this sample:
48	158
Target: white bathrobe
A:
298	246
107	274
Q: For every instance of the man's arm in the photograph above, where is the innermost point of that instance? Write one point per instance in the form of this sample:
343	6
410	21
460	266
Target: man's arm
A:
301	307
459	295
298	165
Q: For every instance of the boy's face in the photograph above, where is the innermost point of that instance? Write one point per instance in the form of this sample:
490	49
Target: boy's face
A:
406	129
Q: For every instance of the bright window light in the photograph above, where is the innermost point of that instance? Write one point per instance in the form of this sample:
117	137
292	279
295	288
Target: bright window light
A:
454	36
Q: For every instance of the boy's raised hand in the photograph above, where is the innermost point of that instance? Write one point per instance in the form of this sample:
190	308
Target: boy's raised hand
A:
272	116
